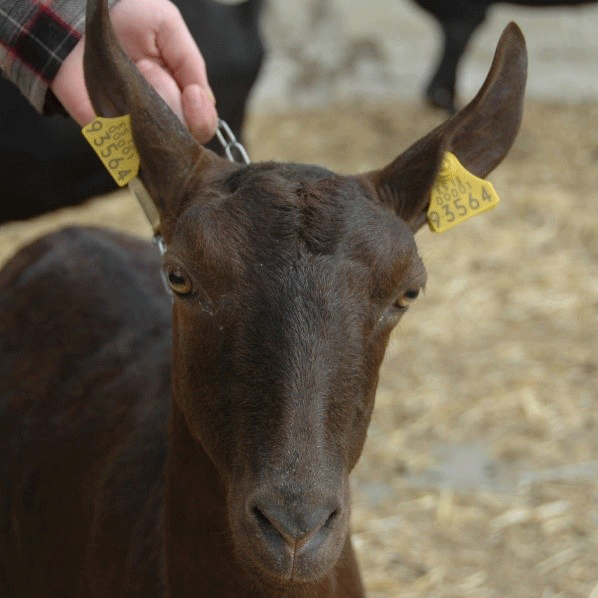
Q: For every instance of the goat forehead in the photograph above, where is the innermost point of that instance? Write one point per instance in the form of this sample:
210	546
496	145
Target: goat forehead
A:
270	212
293	204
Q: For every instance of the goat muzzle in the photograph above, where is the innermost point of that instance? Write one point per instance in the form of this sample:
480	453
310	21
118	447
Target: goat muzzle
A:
292	537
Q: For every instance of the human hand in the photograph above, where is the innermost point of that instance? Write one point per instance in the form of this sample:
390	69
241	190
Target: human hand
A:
154	35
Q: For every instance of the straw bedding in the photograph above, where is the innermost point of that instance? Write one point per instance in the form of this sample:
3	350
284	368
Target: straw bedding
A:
478	476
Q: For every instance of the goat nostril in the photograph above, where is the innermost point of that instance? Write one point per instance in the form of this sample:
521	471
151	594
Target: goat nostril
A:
271	527
331	518
262	520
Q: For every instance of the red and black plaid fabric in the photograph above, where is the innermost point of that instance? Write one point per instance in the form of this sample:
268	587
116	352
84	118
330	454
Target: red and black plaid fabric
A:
35	37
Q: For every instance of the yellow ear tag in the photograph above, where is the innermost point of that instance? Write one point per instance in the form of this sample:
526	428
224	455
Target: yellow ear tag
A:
112	141
457	195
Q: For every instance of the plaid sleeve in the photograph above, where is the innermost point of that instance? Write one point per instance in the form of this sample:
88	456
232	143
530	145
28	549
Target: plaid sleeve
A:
35	37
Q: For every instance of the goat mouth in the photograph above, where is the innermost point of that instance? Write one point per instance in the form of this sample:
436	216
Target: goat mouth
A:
291	566
276	561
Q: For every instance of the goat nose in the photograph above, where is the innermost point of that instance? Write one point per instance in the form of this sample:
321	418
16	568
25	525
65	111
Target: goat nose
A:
295	525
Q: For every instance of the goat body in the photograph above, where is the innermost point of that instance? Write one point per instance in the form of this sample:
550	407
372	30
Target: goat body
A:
204	448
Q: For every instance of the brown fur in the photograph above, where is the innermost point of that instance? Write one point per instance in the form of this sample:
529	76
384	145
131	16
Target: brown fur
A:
267	365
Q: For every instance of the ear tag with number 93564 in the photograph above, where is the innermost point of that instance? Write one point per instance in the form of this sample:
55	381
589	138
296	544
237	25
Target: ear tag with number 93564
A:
112	140
457	195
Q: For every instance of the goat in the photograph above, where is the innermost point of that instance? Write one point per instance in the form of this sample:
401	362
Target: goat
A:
202	446
458	20
48	164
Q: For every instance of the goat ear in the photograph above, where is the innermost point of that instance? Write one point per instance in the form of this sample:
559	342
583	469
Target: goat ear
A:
170	157
480	136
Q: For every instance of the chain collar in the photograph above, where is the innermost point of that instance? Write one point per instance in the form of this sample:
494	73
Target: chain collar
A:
230	144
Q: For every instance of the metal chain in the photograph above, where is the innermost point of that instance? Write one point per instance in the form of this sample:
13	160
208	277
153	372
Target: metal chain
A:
230	144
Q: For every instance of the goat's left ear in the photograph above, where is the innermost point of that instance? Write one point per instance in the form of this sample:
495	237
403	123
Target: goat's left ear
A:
480	135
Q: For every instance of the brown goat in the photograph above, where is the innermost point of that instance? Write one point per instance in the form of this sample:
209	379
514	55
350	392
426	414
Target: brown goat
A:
203	448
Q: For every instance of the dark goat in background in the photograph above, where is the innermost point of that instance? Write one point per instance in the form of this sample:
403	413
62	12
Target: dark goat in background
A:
459	19
47	164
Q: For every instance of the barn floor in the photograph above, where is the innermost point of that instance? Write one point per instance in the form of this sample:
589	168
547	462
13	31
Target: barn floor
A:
478	476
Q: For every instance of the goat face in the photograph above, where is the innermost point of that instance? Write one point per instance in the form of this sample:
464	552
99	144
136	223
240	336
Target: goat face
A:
289	281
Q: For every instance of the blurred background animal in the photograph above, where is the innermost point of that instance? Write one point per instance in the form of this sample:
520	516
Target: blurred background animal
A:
458	20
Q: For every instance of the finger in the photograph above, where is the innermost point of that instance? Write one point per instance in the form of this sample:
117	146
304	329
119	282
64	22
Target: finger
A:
164	84
69	87
181	55
193	105
200	112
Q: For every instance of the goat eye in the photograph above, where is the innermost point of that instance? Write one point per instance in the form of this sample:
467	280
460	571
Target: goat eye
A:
179	282
407	298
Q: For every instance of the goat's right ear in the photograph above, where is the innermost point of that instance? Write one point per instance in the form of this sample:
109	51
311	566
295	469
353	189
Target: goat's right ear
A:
171	159
480	136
